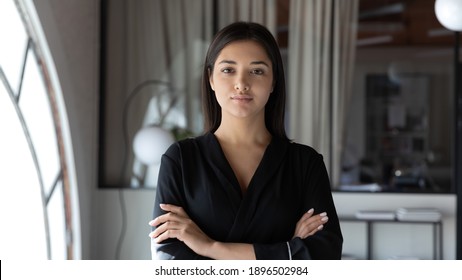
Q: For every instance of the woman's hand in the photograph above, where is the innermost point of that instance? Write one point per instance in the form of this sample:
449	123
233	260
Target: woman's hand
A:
309	224
177	224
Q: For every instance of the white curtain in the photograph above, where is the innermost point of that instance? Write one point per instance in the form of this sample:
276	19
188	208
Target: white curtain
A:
320	67
260	11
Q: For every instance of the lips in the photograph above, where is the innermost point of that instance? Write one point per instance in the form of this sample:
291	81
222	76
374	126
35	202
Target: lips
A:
241	97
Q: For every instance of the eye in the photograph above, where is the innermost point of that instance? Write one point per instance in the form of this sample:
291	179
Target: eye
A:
257	71
227	70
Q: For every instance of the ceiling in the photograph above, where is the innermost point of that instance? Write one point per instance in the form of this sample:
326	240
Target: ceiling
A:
394	23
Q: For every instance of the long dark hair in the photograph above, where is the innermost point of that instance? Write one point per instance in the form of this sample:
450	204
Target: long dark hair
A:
275	107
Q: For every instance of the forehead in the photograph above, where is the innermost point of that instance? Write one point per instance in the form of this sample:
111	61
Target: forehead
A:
244	50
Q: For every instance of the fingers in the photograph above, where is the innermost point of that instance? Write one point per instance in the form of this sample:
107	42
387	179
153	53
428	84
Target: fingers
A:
309	224
175	223
173	208
308	214
174	213
168	217
320	223
323	220
170	224
171	233
316	221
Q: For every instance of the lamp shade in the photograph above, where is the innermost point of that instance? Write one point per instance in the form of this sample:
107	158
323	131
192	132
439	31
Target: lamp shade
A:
449	13
150	143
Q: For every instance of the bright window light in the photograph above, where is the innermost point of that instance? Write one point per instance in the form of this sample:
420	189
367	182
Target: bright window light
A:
35	196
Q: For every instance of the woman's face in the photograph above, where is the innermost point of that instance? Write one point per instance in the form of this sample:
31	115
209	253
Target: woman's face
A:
242	79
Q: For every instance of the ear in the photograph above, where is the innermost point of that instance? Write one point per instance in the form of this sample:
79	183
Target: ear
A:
211	80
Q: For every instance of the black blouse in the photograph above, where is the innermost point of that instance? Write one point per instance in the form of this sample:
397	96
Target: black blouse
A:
290	179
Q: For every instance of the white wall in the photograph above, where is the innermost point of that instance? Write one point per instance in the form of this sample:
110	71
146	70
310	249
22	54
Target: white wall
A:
72	30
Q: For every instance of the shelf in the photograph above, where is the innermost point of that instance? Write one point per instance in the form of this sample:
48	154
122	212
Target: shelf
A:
437	227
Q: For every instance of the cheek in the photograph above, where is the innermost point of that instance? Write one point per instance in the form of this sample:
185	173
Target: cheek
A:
215	82
265	87
219	84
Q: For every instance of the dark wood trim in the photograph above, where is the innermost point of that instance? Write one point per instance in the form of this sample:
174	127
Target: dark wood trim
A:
457	142
102	91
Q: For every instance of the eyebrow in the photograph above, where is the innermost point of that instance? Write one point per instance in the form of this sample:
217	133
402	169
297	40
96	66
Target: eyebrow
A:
258	62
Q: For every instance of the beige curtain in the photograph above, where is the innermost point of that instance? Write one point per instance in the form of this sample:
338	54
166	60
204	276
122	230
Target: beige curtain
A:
320	67
261	11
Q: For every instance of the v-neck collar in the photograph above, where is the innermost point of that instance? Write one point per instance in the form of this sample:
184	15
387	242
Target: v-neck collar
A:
245	205
226	166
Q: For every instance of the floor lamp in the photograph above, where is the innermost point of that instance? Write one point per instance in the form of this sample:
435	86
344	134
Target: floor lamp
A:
449	14
151	141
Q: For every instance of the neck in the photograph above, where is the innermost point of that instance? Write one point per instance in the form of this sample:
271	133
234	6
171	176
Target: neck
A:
243	131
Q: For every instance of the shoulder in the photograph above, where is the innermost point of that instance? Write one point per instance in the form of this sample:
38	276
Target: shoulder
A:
186	146
303	150
309	161
293	152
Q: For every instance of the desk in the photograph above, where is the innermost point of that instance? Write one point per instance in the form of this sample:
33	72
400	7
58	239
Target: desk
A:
436	226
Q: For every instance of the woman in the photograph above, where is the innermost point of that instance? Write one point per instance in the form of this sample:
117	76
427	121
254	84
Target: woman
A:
243	190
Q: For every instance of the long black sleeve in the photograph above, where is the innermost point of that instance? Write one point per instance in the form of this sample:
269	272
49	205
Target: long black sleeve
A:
169	191
327	243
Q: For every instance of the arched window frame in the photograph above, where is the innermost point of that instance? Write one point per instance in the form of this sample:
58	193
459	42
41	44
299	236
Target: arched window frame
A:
65	182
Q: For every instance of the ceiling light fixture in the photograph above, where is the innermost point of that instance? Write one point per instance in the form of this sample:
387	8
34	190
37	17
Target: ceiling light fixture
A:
449	13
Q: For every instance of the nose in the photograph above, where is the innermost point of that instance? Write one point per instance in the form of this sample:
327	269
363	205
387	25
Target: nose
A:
241	86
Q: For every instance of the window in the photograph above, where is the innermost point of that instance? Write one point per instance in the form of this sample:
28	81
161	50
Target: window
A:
38	213
399	127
